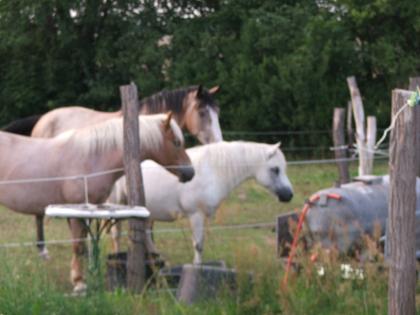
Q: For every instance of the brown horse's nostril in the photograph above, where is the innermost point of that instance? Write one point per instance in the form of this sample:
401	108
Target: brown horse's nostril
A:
187	173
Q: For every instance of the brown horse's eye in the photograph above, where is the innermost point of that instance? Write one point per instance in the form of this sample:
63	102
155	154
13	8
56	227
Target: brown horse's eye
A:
177	143
202	113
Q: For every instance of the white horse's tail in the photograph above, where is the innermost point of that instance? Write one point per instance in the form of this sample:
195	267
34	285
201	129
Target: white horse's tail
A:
119	192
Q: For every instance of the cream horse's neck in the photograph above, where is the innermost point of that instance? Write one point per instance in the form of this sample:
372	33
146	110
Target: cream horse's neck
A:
107	137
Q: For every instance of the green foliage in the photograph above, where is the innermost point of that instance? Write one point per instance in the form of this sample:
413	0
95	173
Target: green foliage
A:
65	52
282	64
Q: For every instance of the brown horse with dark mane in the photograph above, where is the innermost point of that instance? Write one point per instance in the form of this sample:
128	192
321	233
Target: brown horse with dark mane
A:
194	109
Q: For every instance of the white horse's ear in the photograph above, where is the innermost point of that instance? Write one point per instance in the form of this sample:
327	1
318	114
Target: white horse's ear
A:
214	90
273	150
167	121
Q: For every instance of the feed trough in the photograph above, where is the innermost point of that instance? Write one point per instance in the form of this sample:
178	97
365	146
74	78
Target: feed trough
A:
361	210
92	216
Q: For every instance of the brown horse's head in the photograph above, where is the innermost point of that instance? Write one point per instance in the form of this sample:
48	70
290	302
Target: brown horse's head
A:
171	153
202	115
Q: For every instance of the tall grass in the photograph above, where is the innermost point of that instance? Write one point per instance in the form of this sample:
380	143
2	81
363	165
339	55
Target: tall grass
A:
29	285
25	289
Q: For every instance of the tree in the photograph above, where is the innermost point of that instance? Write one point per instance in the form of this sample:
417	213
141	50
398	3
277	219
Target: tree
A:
282	64
55	53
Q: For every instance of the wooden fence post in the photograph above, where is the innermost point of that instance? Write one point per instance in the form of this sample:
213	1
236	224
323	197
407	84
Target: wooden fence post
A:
414	83
350	132
370	142
136	259
402	207
339	141
365	144
359	117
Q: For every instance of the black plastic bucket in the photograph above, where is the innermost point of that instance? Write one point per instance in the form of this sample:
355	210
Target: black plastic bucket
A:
116	270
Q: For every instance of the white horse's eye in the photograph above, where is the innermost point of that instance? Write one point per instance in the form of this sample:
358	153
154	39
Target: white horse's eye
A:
275	170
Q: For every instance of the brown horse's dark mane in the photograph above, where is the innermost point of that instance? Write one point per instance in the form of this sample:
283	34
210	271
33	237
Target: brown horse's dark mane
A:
172	100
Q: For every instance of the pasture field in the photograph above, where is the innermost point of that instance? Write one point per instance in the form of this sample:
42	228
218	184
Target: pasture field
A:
29	285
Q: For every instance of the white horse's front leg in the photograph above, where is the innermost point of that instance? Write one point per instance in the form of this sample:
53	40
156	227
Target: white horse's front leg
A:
197	225
150	244
116	236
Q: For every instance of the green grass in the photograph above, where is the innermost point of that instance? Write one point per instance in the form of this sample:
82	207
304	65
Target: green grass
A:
29	285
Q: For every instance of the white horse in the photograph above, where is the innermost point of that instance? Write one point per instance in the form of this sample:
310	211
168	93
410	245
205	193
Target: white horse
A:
219	168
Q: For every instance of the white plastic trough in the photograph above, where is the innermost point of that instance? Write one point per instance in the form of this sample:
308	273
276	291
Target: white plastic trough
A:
88	214
91	211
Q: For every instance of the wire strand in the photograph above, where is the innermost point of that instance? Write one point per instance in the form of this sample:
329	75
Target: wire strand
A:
107	172
391	126
157	231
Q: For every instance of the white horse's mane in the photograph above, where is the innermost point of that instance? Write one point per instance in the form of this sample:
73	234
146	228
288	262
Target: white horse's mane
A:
231	159
230	153
108	135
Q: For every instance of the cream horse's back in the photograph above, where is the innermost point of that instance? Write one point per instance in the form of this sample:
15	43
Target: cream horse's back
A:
219	168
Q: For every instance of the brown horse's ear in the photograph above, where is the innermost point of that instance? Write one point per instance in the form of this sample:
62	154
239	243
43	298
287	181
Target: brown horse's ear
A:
199	92
167	122
214	90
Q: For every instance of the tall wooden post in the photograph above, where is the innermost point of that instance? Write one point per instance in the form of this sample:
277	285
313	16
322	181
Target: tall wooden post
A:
414	83
402	207
364	143
370	142
350	132
136	260
339	142
359	118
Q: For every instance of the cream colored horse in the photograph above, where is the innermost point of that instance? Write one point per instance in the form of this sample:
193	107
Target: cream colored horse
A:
49	163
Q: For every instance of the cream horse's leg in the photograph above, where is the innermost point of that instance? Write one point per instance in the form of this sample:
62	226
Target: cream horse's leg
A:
42	248
79	233
197	220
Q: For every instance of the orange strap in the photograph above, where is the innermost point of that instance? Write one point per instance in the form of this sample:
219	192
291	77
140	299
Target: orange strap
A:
302	216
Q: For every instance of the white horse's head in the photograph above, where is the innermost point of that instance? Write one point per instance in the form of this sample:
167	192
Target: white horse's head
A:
272	173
